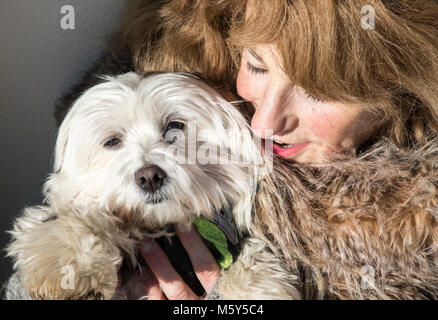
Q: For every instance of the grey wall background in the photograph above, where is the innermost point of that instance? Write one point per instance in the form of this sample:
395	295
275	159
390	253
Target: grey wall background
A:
38	62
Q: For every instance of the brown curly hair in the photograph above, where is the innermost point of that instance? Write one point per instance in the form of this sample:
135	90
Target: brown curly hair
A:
391	69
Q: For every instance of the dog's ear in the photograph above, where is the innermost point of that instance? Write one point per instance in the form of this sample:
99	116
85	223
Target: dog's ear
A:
61	144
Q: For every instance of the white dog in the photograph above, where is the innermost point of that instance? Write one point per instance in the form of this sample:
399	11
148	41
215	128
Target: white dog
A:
133	155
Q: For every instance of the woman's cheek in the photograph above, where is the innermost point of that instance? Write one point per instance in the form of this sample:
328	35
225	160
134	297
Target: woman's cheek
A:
250	86
243	85
322	124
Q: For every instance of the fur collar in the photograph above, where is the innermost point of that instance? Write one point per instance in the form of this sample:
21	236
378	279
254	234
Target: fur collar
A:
357	229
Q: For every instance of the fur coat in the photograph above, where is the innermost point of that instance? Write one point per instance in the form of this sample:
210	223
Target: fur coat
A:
364	228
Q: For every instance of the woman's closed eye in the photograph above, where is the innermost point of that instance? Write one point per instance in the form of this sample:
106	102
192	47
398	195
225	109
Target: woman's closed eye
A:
314	98
255	69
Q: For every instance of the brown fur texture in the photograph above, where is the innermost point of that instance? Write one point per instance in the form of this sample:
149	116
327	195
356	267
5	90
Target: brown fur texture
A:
364	228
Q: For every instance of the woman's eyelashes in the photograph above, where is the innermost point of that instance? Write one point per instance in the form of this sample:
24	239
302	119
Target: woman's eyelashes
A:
315	99
255	69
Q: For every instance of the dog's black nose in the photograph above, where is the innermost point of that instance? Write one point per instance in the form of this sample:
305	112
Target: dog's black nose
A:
150	178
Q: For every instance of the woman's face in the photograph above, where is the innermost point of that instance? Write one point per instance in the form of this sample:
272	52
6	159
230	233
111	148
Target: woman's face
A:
302	127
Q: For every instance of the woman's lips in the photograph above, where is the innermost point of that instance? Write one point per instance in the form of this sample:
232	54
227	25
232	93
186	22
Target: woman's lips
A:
287	152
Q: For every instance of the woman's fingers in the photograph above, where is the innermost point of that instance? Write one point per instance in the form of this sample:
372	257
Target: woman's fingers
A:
168	278
203	262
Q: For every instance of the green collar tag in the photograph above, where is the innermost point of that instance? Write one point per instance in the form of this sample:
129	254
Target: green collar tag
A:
210	232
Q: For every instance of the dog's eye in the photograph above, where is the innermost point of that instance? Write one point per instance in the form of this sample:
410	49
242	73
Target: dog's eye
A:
113	142
175	125
172	136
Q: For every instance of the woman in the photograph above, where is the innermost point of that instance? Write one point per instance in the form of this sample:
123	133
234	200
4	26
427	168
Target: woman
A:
351	206
353	113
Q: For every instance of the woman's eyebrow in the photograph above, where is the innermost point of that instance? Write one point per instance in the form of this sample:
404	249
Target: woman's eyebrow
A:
255	55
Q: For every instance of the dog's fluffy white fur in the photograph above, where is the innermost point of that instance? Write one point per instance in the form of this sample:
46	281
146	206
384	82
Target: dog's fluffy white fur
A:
94	207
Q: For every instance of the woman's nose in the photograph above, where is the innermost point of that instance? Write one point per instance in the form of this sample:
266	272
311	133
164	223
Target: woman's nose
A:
272	112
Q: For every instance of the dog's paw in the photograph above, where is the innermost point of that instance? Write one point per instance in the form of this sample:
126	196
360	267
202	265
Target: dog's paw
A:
62	259
71	282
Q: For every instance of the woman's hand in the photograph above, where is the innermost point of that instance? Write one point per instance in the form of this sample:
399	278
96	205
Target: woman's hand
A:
162	280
